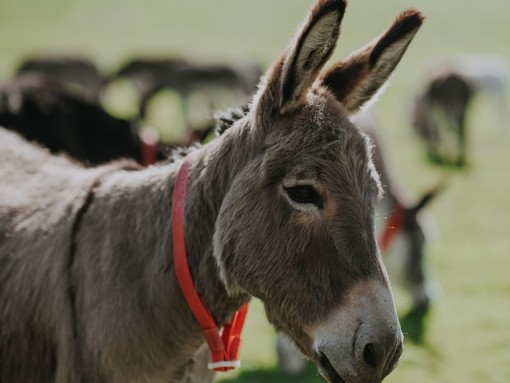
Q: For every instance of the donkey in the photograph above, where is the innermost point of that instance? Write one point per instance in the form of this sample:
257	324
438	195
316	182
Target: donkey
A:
88	291
146	73
43	111
77	74
151	76
487	73
439	116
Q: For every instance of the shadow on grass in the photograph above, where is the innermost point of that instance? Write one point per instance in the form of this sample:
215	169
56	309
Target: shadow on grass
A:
414	325
275	375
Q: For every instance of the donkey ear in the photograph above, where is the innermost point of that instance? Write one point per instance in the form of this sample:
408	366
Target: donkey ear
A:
290	77
356	80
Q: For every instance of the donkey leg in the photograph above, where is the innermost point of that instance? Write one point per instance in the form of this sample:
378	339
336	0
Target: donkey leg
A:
461	160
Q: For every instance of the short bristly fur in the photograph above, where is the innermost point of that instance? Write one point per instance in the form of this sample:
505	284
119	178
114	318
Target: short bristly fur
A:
279	207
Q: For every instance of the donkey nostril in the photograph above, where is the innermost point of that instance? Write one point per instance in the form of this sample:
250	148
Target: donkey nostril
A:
373	354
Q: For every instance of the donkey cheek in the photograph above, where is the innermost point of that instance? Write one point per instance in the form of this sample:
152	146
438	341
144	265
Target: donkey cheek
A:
310	222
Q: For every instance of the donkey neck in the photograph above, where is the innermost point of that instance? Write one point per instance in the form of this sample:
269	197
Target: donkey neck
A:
216	166
126	234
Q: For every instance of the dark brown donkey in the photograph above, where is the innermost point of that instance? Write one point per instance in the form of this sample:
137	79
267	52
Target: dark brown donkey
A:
280	207
43	111
76	74
152	76
440	114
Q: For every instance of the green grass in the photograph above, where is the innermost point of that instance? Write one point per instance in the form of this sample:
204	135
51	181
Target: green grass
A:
466	336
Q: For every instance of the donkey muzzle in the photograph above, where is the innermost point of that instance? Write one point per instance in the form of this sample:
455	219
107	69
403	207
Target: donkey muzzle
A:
362	340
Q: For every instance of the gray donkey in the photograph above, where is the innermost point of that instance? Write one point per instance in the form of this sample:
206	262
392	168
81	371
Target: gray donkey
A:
280	207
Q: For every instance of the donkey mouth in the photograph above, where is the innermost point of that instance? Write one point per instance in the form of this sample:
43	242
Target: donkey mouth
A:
327	370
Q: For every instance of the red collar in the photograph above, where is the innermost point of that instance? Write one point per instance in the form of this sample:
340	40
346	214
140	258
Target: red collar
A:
393	226
225	347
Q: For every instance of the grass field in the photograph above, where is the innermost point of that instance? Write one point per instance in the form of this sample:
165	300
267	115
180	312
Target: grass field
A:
467	336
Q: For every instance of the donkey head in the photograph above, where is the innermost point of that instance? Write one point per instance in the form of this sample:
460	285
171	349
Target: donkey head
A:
296	226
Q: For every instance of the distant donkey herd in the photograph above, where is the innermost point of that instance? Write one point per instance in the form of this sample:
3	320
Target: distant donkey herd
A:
292	202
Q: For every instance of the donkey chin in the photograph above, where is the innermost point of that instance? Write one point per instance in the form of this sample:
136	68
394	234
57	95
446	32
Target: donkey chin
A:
361	341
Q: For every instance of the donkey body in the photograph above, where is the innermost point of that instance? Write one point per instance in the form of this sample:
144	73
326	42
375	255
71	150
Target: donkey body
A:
440	112
440	117
42	110
151	76
87	285
76	74
488	74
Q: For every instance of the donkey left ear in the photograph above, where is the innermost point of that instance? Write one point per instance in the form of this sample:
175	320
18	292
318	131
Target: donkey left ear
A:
310	50
289	78
357	79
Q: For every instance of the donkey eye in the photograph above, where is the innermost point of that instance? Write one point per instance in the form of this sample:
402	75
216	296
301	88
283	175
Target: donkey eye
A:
304	194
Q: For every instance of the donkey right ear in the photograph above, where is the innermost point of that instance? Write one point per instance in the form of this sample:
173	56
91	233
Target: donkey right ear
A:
357	79
290	77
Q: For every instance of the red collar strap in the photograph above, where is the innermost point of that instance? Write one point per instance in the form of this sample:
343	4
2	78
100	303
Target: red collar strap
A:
225	347
393	226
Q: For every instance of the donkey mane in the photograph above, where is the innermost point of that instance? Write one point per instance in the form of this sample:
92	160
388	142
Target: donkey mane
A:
226	119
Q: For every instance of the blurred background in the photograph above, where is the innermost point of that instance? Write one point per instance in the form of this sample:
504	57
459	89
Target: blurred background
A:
463	334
